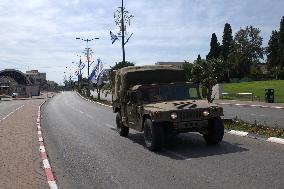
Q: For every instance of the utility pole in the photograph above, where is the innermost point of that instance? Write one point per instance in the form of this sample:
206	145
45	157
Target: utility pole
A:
122	20
88	50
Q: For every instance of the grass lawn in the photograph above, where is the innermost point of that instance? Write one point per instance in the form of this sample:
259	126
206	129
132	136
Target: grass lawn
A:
257	88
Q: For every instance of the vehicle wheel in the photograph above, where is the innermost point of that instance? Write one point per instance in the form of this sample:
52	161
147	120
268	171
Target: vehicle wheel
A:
121	129
154	135
215	131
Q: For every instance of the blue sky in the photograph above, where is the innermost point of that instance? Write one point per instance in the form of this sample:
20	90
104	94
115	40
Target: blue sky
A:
40	34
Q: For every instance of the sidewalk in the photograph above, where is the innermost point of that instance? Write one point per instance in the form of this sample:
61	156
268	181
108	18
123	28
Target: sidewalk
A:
20	165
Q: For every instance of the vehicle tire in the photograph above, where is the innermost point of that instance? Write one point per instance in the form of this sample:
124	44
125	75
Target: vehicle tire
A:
121	129
154	135
215	131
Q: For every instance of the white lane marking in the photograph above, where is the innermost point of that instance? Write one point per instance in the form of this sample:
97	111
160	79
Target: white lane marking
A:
42	149
239	133
257	115
12	112
276	140
52	185
109	125
89	116
46	164
177	155
81	111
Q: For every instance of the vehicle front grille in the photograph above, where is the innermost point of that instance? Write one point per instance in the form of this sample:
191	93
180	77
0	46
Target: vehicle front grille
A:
190	115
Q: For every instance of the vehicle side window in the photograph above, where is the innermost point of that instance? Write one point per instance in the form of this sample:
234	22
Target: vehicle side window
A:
193	93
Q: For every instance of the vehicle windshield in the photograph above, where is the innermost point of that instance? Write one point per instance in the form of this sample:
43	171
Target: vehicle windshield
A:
169	92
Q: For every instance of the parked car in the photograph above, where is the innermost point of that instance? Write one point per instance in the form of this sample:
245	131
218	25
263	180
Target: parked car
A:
15	95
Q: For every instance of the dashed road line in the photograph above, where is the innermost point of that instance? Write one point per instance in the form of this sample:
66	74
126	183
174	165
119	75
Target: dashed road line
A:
12	112
109	125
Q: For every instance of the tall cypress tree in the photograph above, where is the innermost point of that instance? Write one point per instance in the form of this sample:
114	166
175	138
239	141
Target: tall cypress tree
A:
227	41
281	42
198	58
215	48
273	50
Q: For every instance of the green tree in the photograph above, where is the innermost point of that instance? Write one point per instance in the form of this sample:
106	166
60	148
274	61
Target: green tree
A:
107	88
227	43
214	48
121	65
281	42
207	74
273	50
198	58
187	68
246	50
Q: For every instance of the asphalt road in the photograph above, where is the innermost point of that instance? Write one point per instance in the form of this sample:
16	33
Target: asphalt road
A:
6	107
265	116
86	152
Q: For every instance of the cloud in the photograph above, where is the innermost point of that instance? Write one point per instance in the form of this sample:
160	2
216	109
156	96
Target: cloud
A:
40	34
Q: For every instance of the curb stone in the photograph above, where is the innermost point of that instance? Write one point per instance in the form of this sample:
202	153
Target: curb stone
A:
255	136
43	154
93	101
249	105
233	132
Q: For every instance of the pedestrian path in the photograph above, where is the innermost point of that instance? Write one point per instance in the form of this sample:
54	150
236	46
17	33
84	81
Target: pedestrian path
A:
20	165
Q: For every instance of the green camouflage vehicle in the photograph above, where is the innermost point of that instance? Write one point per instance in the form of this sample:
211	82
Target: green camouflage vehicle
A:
158	101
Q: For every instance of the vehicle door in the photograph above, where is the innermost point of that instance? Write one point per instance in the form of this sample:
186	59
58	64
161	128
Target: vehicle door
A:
131	109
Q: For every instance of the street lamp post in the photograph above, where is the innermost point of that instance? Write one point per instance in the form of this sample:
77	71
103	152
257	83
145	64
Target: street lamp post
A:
88	50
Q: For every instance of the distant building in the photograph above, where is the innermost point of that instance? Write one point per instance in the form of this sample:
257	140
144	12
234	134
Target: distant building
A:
36	77
15	81
177	64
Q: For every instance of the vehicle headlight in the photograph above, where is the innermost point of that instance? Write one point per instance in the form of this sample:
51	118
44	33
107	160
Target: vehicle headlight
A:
206	113
174	115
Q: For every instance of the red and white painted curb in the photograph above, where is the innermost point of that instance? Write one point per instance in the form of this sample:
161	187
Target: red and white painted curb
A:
43	154
250	105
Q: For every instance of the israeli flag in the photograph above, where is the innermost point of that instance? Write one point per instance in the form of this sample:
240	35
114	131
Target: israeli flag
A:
100	77
82	66
92	77
113	37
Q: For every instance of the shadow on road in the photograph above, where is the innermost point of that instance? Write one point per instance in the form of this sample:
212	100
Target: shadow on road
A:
190	146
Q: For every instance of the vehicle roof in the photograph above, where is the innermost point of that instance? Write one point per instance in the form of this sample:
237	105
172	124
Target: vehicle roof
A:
136	87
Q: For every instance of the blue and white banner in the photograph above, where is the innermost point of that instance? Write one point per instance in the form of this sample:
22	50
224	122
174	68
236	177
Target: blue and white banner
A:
82	66
97	73
113	37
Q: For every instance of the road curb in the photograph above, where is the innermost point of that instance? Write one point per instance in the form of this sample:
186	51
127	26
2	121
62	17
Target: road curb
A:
43	154
94	101
249	105
255	136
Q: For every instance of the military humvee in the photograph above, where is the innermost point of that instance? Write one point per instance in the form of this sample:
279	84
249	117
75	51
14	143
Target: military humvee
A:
159	101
